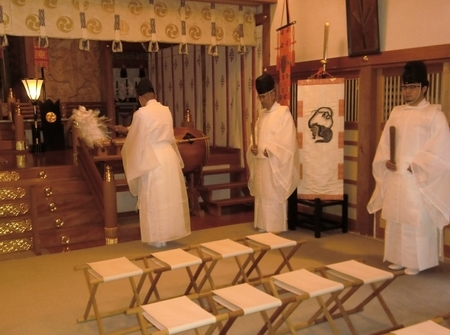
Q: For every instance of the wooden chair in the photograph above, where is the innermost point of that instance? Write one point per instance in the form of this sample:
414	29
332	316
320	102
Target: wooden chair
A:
358	275
102	272
264	243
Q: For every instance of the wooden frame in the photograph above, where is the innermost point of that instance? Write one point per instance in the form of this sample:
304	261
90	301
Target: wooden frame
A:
362	27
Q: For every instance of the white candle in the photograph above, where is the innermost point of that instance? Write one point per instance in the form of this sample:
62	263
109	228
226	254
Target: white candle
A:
325	40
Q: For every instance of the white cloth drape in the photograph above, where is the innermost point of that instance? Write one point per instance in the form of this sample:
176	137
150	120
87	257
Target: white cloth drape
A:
62	20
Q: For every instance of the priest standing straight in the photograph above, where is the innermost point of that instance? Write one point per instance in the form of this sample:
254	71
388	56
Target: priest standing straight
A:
153	169
413	182
273	159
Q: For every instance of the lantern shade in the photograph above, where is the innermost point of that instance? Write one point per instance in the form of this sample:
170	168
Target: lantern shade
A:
33	87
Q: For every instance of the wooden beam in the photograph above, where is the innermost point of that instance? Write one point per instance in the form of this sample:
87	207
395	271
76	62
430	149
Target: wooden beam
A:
264	19
254	3
386	58
367	143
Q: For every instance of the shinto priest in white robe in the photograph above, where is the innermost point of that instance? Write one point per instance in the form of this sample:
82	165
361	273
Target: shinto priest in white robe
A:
153	168
273	178
416	206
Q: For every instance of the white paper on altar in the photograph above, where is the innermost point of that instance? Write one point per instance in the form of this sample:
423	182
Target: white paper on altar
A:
320	126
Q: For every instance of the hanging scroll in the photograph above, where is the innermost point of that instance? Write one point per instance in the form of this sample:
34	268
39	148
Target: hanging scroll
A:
285	58
41	58
320	127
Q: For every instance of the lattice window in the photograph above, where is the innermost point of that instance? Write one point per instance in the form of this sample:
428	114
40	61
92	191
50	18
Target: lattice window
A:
351	92
393	94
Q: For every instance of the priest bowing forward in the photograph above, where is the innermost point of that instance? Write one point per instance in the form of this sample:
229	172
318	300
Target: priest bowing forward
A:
153	169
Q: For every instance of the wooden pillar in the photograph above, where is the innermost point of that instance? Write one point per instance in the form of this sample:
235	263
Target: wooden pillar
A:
19	130
110	206
367	143
264	19
106	65
75	143
445	93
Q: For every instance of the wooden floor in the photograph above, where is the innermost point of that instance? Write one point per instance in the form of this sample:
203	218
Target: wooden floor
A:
129	225
231	215
16	160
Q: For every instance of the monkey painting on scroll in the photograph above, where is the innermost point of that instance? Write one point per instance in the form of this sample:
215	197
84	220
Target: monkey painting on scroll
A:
320	112
153	168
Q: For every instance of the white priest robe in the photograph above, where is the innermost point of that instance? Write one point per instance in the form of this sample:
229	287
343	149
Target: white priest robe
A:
153	168
273	179
416	206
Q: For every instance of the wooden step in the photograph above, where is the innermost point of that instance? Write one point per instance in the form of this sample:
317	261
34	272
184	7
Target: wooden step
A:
232	169
121	185
215	206
7	145
224	186
219	156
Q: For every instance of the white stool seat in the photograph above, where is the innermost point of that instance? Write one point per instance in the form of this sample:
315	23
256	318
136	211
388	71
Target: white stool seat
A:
113	269
226	248
245	297
271	240
303	281
177	315
176	258
368	274
424	328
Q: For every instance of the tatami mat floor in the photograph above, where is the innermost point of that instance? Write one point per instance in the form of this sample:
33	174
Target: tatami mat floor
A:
43	295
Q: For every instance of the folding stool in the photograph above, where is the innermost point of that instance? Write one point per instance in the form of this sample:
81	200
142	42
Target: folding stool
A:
305	285
163	261
424	328
262	244
97	273
177	315
359	275
429	327
247	299
212	252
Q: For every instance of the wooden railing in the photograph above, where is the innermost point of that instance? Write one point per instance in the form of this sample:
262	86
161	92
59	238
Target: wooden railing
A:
66	108
96	167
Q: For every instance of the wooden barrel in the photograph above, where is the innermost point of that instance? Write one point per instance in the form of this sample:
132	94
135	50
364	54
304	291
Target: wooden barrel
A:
195	153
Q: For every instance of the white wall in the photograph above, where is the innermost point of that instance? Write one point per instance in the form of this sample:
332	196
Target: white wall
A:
403	24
